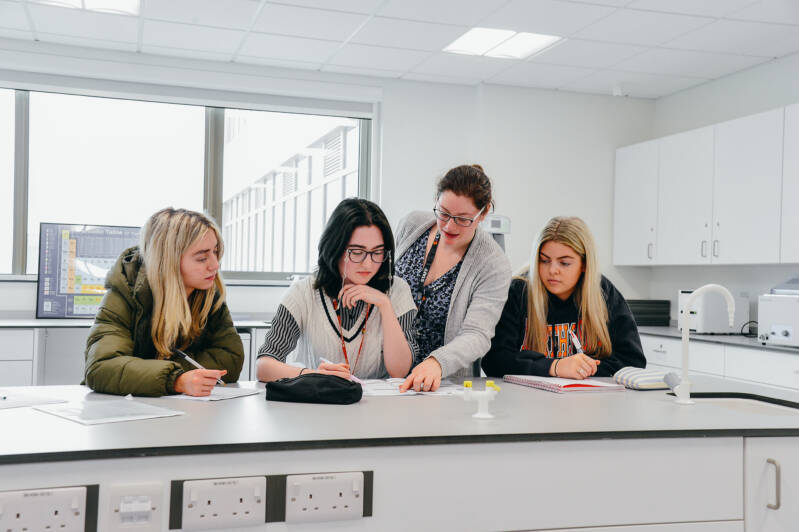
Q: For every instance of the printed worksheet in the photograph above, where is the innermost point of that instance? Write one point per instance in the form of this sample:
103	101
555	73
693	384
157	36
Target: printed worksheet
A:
386	387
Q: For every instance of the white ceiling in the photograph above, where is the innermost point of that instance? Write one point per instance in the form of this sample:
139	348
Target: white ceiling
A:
641	48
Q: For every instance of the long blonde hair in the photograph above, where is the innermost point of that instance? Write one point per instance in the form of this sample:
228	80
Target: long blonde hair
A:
177	320
572	232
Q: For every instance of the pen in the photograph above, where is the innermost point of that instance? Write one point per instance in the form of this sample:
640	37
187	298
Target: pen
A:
194	363
352	377
576	342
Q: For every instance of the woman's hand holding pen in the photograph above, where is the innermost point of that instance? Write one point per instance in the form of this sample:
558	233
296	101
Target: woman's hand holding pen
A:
198	382
578	366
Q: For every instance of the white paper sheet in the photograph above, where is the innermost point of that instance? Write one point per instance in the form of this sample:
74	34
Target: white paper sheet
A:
113	411
218	393
388	387
17	400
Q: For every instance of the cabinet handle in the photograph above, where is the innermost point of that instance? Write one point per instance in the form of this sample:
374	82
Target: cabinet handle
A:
659	350
703	248
715	248
649	250
777	503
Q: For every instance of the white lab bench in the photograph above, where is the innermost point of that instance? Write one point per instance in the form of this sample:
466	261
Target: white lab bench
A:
546	461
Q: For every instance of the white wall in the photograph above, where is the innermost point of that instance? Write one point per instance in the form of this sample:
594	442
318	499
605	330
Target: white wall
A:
775	84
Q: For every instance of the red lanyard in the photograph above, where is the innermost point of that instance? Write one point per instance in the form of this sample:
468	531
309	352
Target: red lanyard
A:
341	334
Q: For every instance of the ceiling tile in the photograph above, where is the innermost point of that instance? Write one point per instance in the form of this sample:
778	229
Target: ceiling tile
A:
641	27
549	17
575	52
362	71
82	23
236	14
377	57
709	8
783	11
189	54
637	85
457	12
540	76
304	22
352	6
464	66
12	16
271	62
408	34
433	78
288	48
741	37
614	3
688	63
88	43
188	37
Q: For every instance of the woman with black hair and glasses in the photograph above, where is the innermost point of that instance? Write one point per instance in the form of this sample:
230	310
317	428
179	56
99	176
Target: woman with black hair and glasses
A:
459	277
352	317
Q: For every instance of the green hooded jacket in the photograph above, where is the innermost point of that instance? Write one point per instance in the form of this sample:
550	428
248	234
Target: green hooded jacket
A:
120	355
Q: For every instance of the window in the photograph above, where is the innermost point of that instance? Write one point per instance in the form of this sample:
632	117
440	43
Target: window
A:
283	176
6	179
105	161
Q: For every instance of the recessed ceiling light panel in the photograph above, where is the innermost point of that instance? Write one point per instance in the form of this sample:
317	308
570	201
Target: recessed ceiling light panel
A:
522	45
477	41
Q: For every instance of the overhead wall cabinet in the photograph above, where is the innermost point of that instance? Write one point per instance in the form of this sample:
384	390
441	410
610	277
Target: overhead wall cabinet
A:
720	195
635	200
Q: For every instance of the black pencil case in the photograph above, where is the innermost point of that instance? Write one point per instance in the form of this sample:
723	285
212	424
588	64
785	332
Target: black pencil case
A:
314	388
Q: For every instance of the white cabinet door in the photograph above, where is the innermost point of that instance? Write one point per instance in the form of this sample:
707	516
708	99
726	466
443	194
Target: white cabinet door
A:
747	187
16	344
661	351
790	187
685	198
771	473
16	373
666	353
764	366
635	204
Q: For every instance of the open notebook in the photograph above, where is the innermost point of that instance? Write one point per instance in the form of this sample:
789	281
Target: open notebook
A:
559	385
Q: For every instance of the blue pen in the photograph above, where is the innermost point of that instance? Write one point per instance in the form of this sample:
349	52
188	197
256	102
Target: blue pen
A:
194	363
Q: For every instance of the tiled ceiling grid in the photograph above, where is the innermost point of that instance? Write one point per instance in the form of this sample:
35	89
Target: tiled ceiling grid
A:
641	48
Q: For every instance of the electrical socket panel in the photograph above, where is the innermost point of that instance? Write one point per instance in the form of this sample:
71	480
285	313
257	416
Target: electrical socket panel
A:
324	497
57	509
135	507
224	503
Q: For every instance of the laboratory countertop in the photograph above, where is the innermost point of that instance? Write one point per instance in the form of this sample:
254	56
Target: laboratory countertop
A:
253	424
726	339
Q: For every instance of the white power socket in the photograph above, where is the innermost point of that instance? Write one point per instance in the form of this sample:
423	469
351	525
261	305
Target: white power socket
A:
135	507
224	503
324	497
61	509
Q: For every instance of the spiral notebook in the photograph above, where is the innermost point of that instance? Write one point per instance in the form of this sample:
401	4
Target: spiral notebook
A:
560	385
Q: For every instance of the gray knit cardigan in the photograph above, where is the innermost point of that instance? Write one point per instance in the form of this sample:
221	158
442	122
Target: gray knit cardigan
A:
477	299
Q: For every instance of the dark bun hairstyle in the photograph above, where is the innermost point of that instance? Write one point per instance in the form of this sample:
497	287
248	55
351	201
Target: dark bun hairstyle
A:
470	181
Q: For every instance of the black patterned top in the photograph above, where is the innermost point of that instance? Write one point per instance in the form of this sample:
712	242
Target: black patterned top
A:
431	319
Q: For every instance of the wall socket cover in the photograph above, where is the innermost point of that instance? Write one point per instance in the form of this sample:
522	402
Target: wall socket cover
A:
135	507
224	503
57	509
324	497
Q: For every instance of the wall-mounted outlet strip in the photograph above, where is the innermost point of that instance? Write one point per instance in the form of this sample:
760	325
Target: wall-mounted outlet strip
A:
72	509
218	503
324	497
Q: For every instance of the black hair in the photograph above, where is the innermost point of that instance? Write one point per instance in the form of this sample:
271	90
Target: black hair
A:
349	215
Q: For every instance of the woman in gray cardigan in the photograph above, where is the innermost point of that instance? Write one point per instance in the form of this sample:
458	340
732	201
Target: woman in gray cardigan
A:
458	275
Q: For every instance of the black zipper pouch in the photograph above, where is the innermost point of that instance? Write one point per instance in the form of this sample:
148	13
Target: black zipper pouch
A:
314	388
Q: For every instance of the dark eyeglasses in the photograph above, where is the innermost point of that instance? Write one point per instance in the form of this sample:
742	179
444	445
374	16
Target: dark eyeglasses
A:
459	220
359	255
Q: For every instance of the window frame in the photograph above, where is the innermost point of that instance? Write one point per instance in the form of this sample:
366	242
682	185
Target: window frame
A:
215	103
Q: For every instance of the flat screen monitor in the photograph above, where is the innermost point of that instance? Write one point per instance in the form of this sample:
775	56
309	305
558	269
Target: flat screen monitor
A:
73	263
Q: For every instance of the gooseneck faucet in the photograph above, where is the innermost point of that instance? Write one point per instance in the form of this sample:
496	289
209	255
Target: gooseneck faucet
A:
683	390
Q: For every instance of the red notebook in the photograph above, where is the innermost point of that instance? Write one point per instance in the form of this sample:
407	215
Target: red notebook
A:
559	385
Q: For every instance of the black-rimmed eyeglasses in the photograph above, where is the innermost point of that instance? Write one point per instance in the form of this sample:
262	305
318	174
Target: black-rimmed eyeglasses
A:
459	220
359	255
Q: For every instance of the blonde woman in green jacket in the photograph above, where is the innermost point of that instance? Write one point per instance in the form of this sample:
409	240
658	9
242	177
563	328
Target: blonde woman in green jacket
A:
165	295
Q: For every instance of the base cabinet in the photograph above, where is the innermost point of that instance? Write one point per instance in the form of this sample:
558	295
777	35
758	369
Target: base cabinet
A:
771	473
713	526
